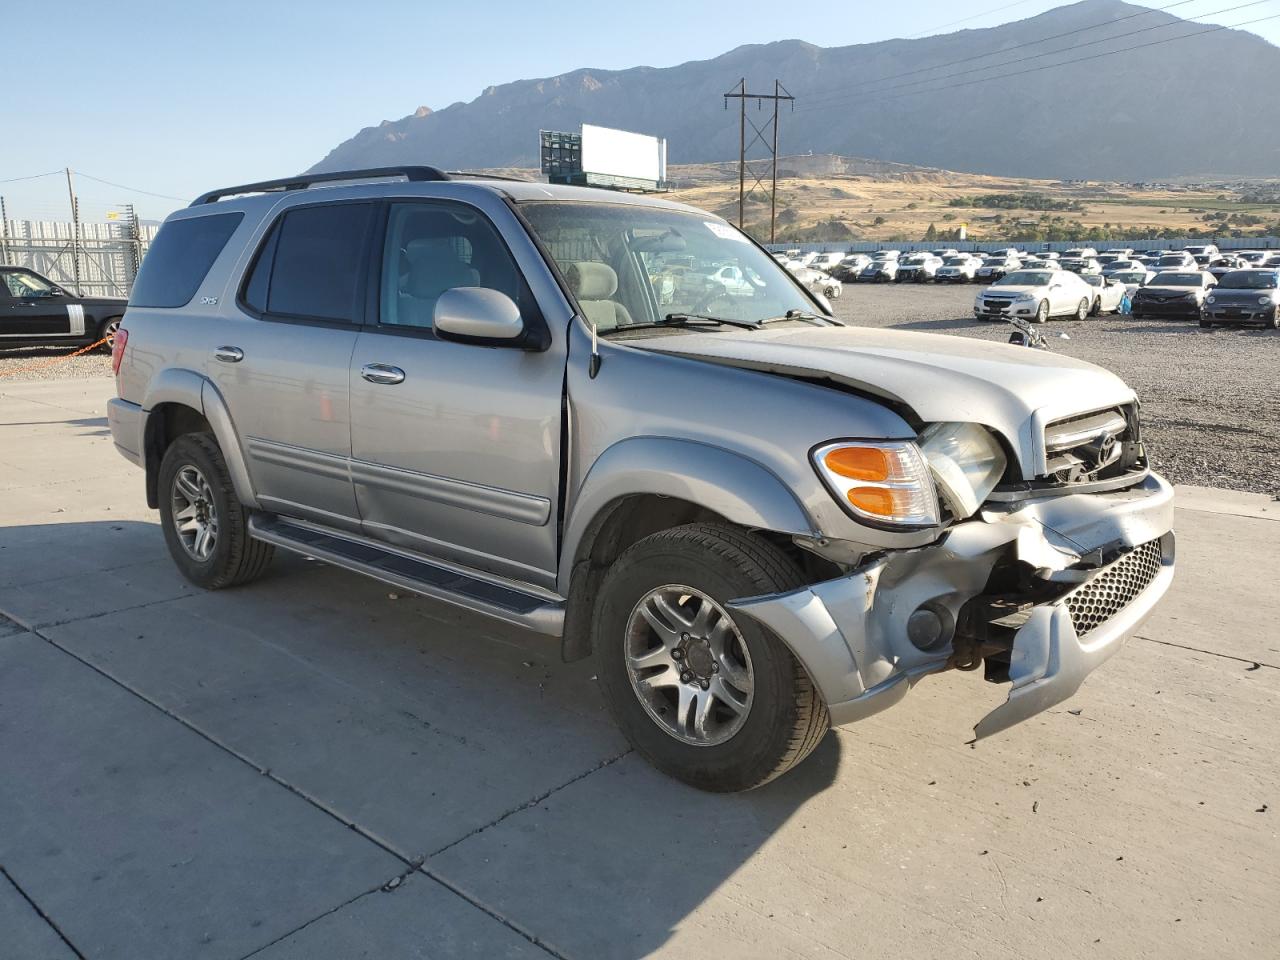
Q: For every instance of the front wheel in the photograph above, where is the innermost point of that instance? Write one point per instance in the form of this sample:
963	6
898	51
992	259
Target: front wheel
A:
1205	324
706	695
1096	309
1042	312
205	527
1082	310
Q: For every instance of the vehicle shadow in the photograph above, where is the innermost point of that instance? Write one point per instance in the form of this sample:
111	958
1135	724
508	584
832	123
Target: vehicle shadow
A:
452	737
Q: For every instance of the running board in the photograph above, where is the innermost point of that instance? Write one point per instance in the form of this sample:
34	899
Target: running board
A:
495	598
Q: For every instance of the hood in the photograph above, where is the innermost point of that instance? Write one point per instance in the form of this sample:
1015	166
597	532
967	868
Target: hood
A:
1234	294
1009	291
1013	390
1170	291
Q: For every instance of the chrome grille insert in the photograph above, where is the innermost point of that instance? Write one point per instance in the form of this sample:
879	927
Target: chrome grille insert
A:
1094	603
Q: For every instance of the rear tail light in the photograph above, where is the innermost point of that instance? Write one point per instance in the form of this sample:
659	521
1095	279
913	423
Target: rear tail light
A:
117	350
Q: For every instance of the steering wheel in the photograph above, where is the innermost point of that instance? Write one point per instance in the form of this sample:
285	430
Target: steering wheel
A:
713	293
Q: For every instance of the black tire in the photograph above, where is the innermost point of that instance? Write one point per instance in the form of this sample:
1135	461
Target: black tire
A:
1096	309
1206	324
107	331
1082	309
787	717
1042	312
236	557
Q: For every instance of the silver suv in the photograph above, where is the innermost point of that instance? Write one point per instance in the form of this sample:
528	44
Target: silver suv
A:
530	401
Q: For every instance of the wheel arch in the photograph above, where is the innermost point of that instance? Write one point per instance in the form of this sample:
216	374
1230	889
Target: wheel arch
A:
643	485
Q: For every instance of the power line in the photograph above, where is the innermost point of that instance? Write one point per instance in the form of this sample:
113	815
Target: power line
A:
976	16
861	87
121	186
1068	49
34	176
1096	56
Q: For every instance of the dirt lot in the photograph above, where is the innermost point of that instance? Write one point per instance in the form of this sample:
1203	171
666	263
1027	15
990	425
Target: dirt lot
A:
1211	403
1210	398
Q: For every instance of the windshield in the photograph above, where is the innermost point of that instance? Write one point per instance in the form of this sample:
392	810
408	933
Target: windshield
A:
1177	280
1094	280
1025	278
956	261
1172	260
1075	254
1130	276
630	264
1248	280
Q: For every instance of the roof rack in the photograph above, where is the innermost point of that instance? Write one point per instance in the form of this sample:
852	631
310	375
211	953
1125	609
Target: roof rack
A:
302	181
484	175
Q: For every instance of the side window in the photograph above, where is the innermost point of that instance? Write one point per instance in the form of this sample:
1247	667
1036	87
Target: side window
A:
434	247
180	257
312	264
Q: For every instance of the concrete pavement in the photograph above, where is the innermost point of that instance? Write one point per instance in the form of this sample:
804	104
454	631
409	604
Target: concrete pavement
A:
306	767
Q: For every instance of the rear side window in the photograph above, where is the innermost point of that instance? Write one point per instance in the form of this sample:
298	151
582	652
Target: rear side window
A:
313	263
179	258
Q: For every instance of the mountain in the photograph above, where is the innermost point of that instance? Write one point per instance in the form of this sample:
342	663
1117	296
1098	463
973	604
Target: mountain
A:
1190	107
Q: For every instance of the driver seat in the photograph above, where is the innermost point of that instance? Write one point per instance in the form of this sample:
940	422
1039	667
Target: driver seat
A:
594	284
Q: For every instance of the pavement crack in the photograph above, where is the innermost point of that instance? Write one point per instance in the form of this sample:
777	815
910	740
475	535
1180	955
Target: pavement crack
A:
39	912
1253	664
492	914
608	761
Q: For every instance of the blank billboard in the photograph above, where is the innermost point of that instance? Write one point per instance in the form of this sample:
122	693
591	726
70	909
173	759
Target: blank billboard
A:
622	154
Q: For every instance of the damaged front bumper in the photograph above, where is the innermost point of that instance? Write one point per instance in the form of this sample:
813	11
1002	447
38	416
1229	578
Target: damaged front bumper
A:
1043	591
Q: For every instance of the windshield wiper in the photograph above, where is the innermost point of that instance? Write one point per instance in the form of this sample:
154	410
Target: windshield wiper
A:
801	315
684	320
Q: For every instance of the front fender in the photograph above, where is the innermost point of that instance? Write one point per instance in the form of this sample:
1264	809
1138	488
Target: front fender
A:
739	489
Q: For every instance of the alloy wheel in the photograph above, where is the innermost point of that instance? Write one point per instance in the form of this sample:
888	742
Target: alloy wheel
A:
195	516
688	665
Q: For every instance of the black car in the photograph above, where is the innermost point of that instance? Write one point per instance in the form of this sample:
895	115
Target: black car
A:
36	312
1177	294
1244	296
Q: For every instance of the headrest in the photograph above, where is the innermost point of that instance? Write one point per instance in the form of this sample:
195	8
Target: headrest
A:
425	249
591	280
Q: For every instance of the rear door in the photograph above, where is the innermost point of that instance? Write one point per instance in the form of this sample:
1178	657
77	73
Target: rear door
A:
455	447
283	358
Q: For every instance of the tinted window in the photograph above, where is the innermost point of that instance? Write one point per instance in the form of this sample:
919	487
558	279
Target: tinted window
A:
179	258
434	247
313	264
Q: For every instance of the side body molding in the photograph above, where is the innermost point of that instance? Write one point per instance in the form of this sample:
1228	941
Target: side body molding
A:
741	490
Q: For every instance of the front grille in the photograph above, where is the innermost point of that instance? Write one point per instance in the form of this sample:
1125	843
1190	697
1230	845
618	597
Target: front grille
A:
1094	603
996	306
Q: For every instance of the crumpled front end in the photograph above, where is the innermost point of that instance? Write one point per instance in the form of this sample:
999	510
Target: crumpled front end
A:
1038	593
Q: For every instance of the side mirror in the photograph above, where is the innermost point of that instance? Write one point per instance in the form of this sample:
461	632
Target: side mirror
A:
478	315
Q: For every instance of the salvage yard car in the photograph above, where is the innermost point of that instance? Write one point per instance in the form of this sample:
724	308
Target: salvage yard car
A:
958	269
1244	296
36	312
1036	295
1107	294
1177	294
917	268
879	271
759	521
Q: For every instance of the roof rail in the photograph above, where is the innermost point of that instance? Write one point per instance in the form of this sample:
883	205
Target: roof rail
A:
302	181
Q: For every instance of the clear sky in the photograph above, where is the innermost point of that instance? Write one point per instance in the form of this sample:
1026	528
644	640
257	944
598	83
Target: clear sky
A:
177	96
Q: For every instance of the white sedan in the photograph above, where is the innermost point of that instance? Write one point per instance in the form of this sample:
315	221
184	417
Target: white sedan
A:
819	282
1036	295
1107	294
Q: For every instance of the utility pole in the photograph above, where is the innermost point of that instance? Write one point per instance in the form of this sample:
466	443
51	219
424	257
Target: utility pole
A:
75	231
4	233
135	245
742	95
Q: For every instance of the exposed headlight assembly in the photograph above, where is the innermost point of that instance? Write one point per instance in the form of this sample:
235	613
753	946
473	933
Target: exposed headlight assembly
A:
1264	301
967	464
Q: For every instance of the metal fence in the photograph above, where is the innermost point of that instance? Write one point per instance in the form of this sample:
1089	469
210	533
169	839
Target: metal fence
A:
1150	243
92	259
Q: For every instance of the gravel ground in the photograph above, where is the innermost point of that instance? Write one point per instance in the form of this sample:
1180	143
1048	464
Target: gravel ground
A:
1211	400
51	364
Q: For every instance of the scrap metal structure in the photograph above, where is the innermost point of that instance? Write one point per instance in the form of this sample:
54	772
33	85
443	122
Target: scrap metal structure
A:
769	127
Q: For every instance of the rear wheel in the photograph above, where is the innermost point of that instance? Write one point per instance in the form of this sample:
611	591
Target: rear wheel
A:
707	696
107	331
1082	309
1096	308
205	527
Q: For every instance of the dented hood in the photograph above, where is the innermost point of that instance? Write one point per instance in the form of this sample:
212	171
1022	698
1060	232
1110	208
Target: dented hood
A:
1013	390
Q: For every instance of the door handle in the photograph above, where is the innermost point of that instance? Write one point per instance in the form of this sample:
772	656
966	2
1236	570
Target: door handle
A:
382	373
229	354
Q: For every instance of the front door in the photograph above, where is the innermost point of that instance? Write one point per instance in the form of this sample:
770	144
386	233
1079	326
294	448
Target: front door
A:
455	447
281	359
32	310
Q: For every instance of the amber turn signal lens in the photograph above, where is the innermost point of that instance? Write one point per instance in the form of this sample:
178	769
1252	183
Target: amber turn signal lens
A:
876	500
859	463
